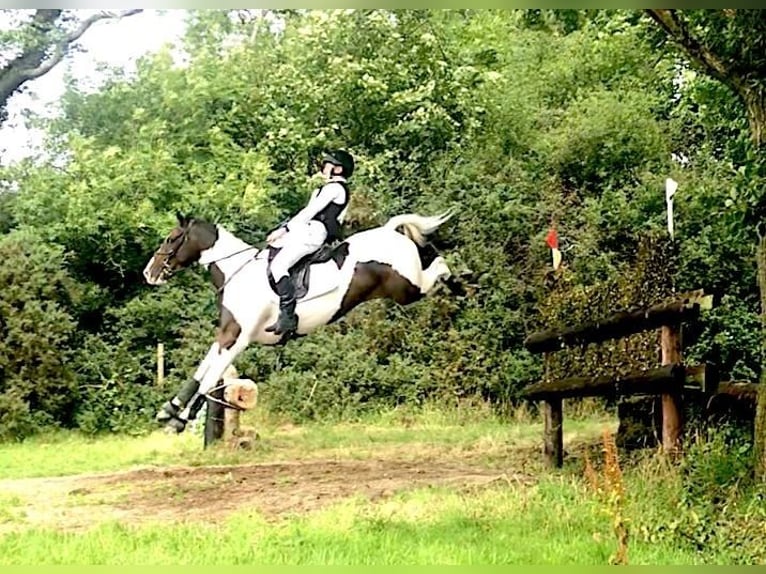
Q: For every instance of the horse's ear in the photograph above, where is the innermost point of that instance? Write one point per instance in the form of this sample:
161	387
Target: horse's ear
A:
182	220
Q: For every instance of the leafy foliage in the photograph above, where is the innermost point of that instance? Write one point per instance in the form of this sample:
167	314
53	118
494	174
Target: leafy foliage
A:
37	385
33	43
521	119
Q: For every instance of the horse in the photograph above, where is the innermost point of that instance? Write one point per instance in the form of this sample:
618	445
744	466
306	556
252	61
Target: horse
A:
393	261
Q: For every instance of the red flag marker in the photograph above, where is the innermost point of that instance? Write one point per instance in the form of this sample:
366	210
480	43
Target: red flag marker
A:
552	239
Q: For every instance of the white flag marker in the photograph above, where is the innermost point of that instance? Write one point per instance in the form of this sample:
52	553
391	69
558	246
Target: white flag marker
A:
671	186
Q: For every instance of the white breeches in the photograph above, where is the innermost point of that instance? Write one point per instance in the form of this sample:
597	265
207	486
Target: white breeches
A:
295	244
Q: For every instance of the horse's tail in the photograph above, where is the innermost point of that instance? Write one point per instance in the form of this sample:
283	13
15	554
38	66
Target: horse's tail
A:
416	227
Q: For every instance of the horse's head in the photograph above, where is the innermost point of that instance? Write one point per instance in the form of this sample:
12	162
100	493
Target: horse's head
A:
181	248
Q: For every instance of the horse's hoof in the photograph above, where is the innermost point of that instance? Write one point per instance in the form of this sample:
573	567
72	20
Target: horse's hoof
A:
286	337
167	412
175	426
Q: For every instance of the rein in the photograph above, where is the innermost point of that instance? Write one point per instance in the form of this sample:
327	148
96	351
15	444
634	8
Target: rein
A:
172	251
241	267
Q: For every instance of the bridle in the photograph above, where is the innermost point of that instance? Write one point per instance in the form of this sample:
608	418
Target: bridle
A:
167	271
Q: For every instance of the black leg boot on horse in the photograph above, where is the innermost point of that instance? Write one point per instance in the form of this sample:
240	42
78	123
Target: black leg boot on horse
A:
170	411
287	323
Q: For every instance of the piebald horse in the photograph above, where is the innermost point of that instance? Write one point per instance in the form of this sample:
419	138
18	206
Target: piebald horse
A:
392	261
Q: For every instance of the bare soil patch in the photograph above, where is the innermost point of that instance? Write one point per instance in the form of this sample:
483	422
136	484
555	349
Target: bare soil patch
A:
211	493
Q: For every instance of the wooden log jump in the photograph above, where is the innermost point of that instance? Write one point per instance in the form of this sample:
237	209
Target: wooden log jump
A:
222	423
243	394
734	401
740	390
622	324
673	377
669	380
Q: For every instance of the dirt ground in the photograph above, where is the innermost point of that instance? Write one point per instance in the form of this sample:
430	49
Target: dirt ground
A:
180	494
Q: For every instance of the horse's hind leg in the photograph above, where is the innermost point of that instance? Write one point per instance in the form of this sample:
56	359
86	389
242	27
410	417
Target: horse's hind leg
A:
438	269
433	267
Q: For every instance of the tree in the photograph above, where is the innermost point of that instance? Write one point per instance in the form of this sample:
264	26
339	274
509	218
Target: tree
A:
37	386
510	121
728	45
33	47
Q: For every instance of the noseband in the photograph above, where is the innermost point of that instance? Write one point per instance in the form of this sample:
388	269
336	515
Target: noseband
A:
166	270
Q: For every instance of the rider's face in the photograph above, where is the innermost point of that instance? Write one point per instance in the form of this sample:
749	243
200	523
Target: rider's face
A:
327	169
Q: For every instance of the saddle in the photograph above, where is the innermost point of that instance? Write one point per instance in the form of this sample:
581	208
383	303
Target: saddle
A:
300	272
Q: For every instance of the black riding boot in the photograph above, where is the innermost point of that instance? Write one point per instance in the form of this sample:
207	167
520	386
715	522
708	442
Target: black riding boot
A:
287	322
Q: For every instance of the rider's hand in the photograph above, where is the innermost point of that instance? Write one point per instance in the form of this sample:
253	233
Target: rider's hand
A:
276	234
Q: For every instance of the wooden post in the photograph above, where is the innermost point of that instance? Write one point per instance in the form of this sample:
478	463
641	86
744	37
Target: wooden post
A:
214	419
222	422
230	424
160	364
672	407
553	431
242	393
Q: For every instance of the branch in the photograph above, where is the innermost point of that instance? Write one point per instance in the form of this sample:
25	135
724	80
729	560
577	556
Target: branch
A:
752	94
61	47
677	29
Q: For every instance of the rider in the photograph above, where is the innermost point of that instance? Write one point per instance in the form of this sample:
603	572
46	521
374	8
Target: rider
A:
316	224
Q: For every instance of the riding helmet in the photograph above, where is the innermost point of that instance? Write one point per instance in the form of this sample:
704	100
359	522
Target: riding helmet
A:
342	158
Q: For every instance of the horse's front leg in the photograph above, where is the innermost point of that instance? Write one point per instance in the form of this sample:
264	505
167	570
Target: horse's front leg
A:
220	362
171	411
215	368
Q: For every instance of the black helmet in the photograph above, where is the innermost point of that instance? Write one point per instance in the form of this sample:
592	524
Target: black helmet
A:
342	158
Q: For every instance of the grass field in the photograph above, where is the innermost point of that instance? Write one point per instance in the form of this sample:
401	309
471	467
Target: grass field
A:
404	487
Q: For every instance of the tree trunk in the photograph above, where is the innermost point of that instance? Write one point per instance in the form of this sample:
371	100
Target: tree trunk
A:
45	44
755	101
759	444
749	87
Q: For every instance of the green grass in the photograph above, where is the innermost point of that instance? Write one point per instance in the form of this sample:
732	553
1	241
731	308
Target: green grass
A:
437	431
554	522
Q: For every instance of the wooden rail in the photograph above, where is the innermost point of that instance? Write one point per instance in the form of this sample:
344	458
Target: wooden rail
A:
669	380
672	377
685	308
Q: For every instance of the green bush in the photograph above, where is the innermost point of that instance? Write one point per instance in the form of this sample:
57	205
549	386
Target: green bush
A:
718	508
520	128
37	384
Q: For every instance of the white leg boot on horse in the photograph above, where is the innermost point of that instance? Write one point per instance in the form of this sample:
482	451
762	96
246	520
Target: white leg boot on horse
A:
195	393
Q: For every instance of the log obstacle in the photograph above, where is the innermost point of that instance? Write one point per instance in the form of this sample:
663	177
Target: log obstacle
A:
222	423
673	377
622	324
670	380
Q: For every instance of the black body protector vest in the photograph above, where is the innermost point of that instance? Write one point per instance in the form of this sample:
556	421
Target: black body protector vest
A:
330	214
